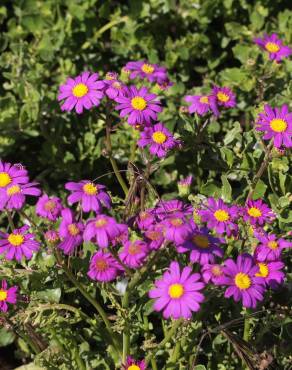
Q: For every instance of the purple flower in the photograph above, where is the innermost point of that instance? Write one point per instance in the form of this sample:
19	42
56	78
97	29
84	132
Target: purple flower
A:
132	364
145	219
13	196
139	105
70	232
165	208
220	217
134	253
274	46
154	237
224	96
277	124
49	207
92	196
11	175
203	247
159	140
213	273
18	244
114	89
123	235
102	229
52	236
177	228
83	91
242	282
177	293
257	212
7	295
184	186
270	247
143	69
103	267
202	104
271	273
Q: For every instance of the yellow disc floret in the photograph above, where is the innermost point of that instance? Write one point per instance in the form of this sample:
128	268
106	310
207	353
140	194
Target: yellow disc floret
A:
254	212
15	239
5	179
273	244
80	90
222	97
263	270
147	68
101	222
272	47
90	188
204	99
14	189
134	367
176	290
159	137
138	103
73	229
221	215
278	125
101	265
242	281
3	295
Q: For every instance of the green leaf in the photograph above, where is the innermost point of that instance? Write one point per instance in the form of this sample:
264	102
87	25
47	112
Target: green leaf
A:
226	189
50	295
260	190
6	337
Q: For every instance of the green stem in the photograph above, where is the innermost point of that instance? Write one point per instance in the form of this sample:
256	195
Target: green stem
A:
126	332
175	353
80	363
10	220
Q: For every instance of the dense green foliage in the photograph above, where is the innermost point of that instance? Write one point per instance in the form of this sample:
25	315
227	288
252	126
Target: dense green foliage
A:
200	42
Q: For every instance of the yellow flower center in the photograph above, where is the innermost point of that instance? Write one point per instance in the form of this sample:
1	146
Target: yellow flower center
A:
90	188
154	235
3	295
134	367
272	47
159	137
216	270
5	179
15	239
254	212
222	97
101	265
221	215
138	103
176	290
264	270
109	76
204	99
176	221
273	244
134	249
117	85
80	90
73	229
14	189
144	215
101	222
201	241
50	205
278	125
147	68
242	281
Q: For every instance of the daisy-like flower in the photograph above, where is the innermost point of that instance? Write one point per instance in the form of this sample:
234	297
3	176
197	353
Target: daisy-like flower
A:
176	228
166	208
114	88
213	273
91	196
13	196
257	212
122	237
220	216
7	295
224	96
49	207
271	273
274	46
270	247
18	243
242	282
277	124
134	253
103	267
139	105
52	236
203	247
202	104
158	139
154	237
70	232
132	364
11	175
177	293
83	91
184	186
102	229
145	219
143	69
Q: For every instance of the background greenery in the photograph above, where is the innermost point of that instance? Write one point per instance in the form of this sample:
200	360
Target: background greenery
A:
200	42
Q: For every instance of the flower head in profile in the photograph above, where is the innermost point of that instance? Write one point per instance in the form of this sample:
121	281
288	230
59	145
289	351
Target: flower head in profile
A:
14	195
220	216
132	364
178	292
257	212
271	273
114	88
52	237
103	267
49	207
70	232
225	97
134	253
159	140
166	208
154	237
202	104
202	246
184	186
270	247
274	46
176	228
11	174
212	273
144	69
145	219
81	92
139	105
18	244
7	295
243	284
277	124
91	196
